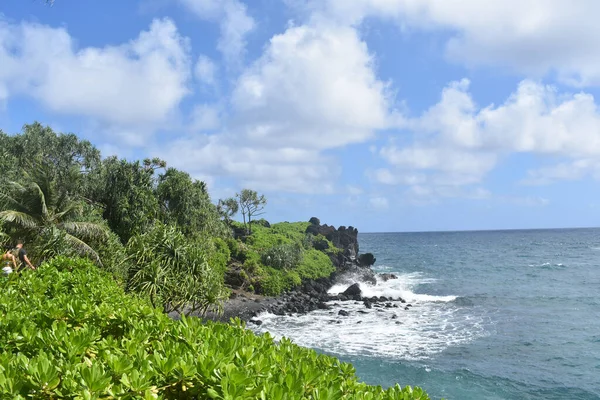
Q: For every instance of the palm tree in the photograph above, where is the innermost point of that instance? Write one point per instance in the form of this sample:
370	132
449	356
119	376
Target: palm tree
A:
36	208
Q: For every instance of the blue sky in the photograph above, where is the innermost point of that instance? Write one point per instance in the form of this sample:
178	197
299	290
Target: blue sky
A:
388	115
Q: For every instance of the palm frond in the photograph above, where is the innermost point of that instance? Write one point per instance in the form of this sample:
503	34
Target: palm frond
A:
82	248
70	210
7	201
41	198
88	230
20	218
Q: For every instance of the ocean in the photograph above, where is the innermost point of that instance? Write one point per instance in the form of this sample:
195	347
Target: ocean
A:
495	315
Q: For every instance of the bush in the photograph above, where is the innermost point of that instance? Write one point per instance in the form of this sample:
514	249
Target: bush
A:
175	273
285	256
70	332
315	264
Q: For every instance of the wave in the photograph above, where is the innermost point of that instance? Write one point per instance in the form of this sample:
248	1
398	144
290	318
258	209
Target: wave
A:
430	325
394	288
548	265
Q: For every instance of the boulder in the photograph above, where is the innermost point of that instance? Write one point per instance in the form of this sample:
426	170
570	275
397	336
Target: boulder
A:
366	260
387	277
343	313
352	291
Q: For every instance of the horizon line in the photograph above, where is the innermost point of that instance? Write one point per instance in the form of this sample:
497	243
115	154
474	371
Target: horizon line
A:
485	230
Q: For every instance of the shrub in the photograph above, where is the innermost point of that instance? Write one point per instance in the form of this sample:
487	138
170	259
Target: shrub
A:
315	264
70	332
285	256
174	273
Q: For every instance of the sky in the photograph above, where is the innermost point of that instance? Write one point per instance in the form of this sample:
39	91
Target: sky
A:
386	115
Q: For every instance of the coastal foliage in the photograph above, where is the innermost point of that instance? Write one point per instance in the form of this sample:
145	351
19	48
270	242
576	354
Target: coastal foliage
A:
277	258
36	208
85	338
173	273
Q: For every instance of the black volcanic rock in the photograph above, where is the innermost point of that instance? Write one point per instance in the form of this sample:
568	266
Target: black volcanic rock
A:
387	277
366	260
353	290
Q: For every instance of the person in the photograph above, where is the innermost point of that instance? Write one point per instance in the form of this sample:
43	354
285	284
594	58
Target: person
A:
23	256
9	262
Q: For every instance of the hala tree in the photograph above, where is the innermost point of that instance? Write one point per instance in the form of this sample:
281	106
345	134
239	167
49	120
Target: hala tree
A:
174	272
251	204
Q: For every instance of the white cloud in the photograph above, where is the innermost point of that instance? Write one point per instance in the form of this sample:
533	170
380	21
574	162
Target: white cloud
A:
530	36
139	83
205	70
205	117
528	201
283	169
565	171
456	142
379	203
234	21
354	190
314	87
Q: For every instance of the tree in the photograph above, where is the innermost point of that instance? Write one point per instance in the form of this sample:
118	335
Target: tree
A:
186	203
66	158
36	210
125	190
174	272
228	208
251	204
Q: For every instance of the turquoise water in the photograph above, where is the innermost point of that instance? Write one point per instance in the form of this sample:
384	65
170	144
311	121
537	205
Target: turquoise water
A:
496	315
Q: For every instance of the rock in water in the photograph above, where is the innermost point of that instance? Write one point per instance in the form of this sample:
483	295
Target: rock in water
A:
343	313
387	277
353	290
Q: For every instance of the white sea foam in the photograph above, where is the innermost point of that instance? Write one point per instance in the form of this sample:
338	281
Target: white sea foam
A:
432	324
394	288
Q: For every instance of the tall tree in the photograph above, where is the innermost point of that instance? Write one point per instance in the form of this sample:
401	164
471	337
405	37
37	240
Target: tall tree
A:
186	203
251	204
35	208
67	158
125	190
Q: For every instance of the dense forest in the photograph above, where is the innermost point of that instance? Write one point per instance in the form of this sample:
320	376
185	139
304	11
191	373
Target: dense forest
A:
154	227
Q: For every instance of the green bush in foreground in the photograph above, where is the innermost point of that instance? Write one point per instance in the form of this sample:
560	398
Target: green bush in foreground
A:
69	332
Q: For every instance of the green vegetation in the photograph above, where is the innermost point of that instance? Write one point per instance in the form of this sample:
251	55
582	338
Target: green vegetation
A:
152	242
154	227
279	257
84	338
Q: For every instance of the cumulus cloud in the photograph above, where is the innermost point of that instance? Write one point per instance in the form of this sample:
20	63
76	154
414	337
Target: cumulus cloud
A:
139	83
285	169
313	89
234	21
456	142
532	37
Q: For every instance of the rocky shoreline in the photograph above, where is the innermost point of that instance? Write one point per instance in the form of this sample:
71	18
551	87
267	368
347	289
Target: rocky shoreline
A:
313	294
